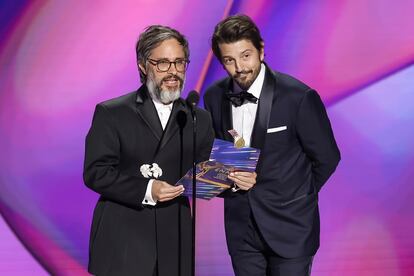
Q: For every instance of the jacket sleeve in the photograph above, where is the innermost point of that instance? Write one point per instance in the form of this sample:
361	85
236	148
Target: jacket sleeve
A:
317	139
102	171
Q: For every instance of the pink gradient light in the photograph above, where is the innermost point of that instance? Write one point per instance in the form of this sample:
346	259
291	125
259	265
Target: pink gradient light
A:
58	59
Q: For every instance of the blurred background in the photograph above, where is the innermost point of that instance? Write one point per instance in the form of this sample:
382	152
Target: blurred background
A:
59	58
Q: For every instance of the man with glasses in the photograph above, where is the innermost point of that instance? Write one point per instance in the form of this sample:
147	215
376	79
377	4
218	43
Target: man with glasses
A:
272	223
138	147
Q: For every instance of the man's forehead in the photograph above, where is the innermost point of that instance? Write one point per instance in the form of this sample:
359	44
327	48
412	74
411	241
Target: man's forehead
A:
236	47
168	48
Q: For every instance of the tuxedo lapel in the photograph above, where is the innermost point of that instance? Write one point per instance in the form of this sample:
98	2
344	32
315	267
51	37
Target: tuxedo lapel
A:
146	110
173	125
226	113
263	110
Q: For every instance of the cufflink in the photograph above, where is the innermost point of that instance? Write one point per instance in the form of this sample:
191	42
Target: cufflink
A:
146	201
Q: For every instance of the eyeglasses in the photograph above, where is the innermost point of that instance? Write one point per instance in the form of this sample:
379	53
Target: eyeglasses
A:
163	65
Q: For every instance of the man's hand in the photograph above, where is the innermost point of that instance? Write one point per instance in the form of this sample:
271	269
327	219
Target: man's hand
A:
244	180
162	191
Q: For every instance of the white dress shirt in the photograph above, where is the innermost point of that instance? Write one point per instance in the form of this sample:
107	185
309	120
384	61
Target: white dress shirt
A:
164	112
245	115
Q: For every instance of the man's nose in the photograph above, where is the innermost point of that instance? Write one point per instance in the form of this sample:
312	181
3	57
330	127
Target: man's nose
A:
172	69
238	66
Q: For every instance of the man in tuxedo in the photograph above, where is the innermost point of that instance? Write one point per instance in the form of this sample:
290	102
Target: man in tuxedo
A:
272	218
139	145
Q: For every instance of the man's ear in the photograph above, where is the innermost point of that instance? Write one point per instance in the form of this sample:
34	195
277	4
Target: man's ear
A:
142	68
262	52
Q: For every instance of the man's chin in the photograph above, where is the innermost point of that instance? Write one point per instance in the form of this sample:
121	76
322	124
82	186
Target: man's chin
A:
244	85
170	89
167	97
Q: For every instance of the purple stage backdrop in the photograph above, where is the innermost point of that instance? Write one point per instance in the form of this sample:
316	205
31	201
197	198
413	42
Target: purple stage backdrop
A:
59	58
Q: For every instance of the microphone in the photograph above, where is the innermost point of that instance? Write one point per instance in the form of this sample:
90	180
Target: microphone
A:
181	119
192	99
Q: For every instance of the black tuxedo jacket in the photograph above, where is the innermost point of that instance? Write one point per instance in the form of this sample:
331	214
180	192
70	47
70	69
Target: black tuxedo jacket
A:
128	238
298	154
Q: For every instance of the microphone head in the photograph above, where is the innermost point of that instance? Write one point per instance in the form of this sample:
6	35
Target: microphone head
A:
193	98
181	119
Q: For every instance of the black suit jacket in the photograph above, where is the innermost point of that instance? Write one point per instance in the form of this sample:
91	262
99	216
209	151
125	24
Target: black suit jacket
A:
293	166
128	238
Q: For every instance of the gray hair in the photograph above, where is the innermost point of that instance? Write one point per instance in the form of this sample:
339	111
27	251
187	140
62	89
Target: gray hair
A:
151	38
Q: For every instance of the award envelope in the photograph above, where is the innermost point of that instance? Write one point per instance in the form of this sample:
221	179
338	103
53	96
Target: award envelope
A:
211	175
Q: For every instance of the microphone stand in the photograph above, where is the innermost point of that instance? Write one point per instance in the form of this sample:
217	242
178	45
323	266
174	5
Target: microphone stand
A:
192	100
193	113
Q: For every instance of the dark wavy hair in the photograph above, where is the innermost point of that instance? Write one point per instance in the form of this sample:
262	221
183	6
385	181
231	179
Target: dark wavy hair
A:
233	29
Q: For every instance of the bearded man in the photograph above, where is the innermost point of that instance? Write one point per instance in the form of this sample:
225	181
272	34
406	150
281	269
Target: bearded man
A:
139	145
271	215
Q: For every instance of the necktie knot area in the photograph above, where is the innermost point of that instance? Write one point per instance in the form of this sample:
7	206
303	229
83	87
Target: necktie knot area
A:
238	99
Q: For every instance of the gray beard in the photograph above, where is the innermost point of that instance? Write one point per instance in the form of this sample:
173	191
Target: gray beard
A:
165	97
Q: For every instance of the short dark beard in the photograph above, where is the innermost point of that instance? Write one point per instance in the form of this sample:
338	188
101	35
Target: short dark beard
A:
247	85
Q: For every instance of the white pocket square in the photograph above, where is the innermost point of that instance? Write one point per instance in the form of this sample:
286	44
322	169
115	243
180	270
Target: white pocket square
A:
276	129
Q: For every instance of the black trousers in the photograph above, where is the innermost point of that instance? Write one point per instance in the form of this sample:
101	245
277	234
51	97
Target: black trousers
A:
256	258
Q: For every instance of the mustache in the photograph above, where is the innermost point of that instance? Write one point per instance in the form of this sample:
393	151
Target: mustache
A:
173	77
238	74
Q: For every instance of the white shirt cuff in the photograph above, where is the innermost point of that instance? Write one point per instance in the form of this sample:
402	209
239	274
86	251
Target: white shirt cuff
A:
148	200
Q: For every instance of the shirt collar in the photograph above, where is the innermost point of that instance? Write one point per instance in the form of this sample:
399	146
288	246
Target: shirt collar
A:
256	88
161	106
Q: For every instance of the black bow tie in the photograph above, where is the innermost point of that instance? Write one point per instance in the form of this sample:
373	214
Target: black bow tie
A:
238	99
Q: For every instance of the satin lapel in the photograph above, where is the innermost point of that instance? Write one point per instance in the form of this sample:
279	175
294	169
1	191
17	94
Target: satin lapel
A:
226	114
263	110
172	126
147	111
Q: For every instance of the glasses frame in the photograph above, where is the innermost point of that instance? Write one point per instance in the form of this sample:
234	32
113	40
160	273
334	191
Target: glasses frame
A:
157	63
